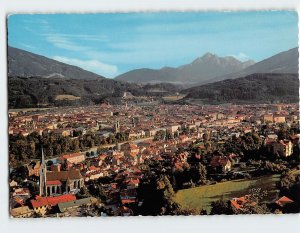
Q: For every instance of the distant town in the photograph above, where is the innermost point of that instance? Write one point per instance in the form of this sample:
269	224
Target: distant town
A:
130	160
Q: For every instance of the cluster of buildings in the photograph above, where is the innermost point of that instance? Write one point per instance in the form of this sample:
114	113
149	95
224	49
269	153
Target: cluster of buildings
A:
60	181
279	205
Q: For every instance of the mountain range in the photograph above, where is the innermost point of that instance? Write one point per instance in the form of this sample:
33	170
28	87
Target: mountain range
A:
205	69
201	69
25	64
35	81
210	68
281	63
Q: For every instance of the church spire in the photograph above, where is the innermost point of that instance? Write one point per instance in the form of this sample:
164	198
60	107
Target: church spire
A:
117	126
43	171
43	156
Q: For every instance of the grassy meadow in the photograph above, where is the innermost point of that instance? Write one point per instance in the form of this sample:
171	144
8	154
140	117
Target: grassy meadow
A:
201	197
66	97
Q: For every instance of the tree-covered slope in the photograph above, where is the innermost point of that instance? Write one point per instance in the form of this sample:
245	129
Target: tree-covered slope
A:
252	88
38	92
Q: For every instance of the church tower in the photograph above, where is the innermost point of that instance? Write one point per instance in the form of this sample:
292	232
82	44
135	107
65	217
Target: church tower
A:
133	122
117	127
43	171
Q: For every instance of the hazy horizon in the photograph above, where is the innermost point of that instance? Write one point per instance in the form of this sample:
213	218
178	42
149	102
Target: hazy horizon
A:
114	43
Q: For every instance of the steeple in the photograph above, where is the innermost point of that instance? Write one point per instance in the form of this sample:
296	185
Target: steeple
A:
43	156
43	171
117	127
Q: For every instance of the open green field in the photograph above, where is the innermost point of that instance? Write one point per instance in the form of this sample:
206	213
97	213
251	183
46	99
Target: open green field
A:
173	97
66	97
201	197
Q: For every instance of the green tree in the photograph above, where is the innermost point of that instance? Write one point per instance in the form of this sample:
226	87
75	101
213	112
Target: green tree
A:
169	134
160	135
221	207
83	193
202	172
176	134
254	204
49	151
57	150
75	145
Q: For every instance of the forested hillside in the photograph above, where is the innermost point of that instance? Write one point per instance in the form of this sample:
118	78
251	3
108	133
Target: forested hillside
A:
39	92
252	88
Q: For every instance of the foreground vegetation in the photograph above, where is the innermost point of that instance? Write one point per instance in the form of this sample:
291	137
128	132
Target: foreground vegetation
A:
202	197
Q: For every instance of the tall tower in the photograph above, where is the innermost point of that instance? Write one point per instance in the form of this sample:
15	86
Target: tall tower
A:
133	122
117	127
43	171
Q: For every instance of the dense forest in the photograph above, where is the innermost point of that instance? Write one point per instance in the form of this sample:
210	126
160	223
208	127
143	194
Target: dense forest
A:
253	88
38	92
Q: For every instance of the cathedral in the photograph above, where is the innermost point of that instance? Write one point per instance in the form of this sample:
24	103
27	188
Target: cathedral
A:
58	182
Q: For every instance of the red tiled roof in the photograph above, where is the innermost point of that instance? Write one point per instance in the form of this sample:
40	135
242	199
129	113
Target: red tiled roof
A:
71	155
53	182
19	200
134	181
92	168
52	201
283	201
128	201
198	156
239	202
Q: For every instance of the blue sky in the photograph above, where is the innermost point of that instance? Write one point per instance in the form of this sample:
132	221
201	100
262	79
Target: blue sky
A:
110	44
